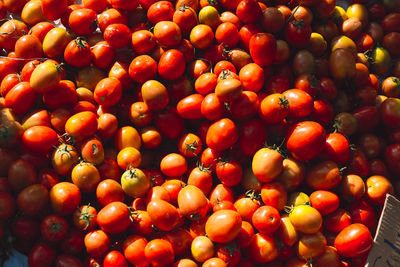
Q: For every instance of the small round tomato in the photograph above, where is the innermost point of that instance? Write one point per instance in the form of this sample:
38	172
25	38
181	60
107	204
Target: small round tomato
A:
64	198
42	255
190	107
201	36
155	95
266	219
274	108
190	145
53	228
325	175
85	218
262	47
300	103
311	245
117	35
97	243
133	249
20	98
377	188
115	258
135	183
267	164
353	241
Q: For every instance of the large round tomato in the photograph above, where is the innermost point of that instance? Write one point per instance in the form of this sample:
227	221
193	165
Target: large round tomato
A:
353	241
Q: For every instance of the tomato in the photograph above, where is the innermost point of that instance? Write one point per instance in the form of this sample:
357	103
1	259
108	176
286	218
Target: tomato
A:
32	199
311	246
21	174
274	108
264	225
55	41
390	112
155	95
222	134
12	30
64	158
325	175
167	33
165	119
190	107
223	226
28	46
159	252
201	36
173	165
64	198
306	219
7	206
305	140
97	243
267	164
41	255
81	125
353	240
298	33
324	201
352	187
134	182
263	248
262	48
20	98
40	139
163	215
299	102
337	148
192	202
114	217
53	228
85	176
377	188
133	249
77	53
85	218
115	258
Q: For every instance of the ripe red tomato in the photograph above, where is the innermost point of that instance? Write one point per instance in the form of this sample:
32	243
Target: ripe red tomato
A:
223	226
266	219
53	228
77	53
353	241
171	65
262	47
163	215
41	255
64	198
324	201
97	243
115	258
41	139
222	134
83	21
159	252
305	140
298	33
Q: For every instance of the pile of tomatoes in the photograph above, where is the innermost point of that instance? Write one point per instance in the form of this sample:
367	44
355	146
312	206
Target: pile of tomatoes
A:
197	132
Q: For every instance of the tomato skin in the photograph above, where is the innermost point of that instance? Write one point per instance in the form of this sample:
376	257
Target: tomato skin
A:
133	248
390	112
81	125
263	248
163	215
40	139
300	103
41	255
97	243
308	225
262	48
223	226
222	134
53	228
264	225
325	202
252	136
353	241
114	217
159	252
20	98
267	164
190	107
115	258
305	140
192	202
337	148
64	198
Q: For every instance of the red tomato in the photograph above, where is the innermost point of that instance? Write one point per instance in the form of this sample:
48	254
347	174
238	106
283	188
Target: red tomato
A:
337	220
324	201
300	103
305	140
114	218
353	241
20	98
337	148
117	35
263	248
115	258
159	252
108	92
222	134
223	226
262	48
41	255
53	228
266	219
77	53
298	33
40	139
163	215
83	21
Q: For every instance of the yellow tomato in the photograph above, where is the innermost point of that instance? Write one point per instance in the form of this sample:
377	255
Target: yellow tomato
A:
202	248
359	11
306	219
45	77
127	136
32	12
64	158
55	41
339	15
135	183
317	44
298	198
287	232
209	15
311	246
380	61
343	41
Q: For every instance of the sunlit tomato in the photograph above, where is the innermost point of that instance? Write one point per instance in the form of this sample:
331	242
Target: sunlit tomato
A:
377	188
190	145
64	158
300	103
114	217
64	198
305	140
311	245
55	42
163	215
81	125
159	252
173	165
117	35
222	134
223	226
28	47
324	201
292	174
155	94
262	48
12	30
274	108
167	33
201	36
185	17
337	148
133	249
20	98
306	219
85	218
266	219
353	240
97	243
190	107
85	176
40	139
352	187
134	182
263	248
171	65
267	164
201	177
192	202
